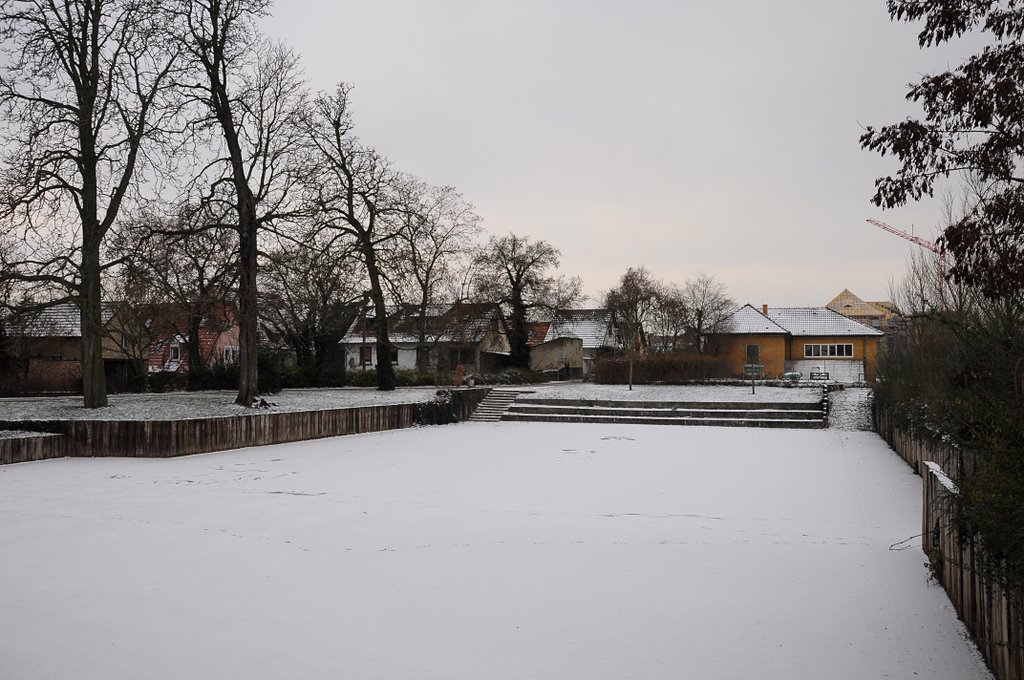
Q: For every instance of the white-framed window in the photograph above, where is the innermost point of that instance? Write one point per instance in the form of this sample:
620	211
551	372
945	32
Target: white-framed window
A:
837	350
175	351
230	355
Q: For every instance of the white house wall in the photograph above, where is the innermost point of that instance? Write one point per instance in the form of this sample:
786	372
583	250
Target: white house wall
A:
406	357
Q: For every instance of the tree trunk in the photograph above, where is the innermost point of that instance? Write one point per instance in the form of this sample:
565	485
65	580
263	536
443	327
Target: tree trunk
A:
248	337
518	335
385	370
94	381
196	361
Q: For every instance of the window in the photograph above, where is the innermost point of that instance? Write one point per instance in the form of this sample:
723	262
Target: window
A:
394	357
230	355
753	354
828	350
175	351
366	355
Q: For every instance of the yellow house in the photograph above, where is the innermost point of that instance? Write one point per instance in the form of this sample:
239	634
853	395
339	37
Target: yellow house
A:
817	342
878	315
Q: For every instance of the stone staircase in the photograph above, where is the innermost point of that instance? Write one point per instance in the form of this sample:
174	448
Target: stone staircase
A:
494	405
723	414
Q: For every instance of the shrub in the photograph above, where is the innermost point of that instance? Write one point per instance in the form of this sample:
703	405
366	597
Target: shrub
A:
363	378
167	381
671	368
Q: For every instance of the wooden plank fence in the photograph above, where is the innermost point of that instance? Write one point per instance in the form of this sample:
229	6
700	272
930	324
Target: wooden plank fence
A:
993	615
169	438
915	450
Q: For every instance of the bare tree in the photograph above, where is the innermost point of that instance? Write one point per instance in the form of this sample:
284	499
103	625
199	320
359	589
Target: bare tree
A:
253	93
669	318
82	93
438	231
313	284
707	305
182	271
633	302
358	194
521	276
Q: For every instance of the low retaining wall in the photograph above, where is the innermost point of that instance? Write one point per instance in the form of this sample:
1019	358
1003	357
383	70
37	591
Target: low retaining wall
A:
38	447
169	438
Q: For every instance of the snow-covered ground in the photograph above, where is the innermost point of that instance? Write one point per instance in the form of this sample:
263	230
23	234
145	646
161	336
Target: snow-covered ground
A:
850	410
578	390
479	550
183	405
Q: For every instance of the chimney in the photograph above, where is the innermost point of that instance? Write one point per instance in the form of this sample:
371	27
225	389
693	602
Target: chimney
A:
764	309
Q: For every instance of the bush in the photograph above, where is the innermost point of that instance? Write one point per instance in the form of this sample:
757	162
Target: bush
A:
363	378
167	381
510	376
670	368
441	410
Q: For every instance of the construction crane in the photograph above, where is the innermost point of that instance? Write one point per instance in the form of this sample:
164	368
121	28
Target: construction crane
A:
927	245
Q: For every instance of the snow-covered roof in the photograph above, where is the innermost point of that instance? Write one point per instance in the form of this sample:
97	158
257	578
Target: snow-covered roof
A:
463	323
60	321
592	326
747	320
818	321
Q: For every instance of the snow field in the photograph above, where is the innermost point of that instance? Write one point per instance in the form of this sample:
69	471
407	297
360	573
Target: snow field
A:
500	550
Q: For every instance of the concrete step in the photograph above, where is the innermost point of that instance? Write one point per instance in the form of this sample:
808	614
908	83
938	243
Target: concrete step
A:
494	405
728	414
804	423
726	405
763	413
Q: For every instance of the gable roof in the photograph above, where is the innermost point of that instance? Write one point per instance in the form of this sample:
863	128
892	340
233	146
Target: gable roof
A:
850	305
592	326
818	321
747	320
538	330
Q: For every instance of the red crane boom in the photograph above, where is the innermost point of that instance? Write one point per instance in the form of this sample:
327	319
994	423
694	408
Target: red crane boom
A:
927	245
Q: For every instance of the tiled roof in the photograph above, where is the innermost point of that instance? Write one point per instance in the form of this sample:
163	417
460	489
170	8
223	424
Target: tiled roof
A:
849	304
464	323
747	320
538	331
592	326
818	321
60	321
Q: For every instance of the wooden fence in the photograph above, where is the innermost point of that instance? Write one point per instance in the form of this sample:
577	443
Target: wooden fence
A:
993	615
169	438
914	450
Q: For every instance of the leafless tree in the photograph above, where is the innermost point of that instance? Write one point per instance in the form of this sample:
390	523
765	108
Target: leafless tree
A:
633	302
312	286
83	92
669	318
252	93
438	232
182	272
707	305
358	194
521	275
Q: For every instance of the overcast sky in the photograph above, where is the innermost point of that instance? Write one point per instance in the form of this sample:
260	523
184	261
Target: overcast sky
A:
683	137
